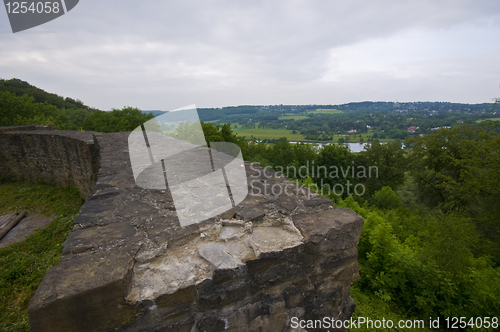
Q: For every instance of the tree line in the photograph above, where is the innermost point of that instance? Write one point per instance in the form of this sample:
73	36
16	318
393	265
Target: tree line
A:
30	105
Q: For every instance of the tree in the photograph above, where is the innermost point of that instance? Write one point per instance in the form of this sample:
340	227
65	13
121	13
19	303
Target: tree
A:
388	160
332	167
23	110
386	199
456	170
283	154
126	119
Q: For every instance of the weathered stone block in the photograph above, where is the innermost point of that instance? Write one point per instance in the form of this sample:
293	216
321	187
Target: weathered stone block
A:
61	157
128	265
85	293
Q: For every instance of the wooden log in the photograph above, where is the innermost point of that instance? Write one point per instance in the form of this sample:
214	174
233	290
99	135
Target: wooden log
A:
12	224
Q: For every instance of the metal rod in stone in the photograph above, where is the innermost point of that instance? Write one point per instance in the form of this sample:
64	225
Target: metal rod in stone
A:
12	224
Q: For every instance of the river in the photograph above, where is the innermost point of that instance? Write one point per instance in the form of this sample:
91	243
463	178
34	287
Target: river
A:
354	147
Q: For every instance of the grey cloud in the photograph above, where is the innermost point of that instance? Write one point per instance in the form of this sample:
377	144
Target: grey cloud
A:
147	53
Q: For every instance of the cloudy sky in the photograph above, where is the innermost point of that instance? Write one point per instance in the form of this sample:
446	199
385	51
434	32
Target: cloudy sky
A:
163	55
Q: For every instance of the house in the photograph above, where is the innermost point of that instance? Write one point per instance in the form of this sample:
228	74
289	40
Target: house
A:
352	131
460	121
412	129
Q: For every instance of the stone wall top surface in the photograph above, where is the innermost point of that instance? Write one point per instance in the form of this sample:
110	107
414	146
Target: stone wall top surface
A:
28	128
127	252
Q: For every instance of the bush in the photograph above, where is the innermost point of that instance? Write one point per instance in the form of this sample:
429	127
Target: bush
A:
386	199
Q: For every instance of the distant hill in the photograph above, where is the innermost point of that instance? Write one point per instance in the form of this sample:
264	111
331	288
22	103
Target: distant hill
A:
20	88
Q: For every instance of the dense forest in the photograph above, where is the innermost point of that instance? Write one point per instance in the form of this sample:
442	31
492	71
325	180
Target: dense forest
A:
430	245
22	103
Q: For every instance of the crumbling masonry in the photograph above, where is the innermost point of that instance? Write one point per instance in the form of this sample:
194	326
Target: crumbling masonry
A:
128	265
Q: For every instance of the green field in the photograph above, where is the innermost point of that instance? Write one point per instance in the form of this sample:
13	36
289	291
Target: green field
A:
488	119
268	133
325	111
295	117
279	133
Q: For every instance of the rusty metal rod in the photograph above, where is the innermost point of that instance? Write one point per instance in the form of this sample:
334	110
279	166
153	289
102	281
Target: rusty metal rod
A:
11	224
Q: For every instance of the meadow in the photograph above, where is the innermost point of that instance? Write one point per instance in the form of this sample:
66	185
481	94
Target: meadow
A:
266	133
488	119
294	117
325	111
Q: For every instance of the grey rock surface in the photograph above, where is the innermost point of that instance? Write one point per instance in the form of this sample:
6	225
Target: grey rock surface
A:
128	265
66	158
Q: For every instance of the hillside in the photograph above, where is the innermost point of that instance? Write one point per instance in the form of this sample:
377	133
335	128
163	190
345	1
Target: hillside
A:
22	103
20	88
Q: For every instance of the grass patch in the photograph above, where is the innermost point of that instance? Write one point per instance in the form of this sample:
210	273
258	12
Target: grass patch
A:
24	264
295	117
41	199
261	133
325	111
488	119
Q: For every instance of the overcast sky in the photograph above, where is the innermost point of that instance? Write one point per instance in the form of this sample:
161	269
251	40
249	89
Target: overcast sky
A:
163	55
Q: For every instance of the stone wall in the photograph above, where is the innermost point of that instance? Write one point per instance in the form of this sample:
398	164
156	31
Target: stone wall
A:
41	153
129	266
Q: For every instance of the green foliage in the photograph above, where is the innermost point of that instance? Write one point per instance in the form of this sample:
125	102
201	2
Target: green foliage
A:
23	110
425	266
457	170
189	132
21	88
309	183
459	166
126	119
224	133
369	305
386	199
283	154
260	153
23	264
390	161
24	104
